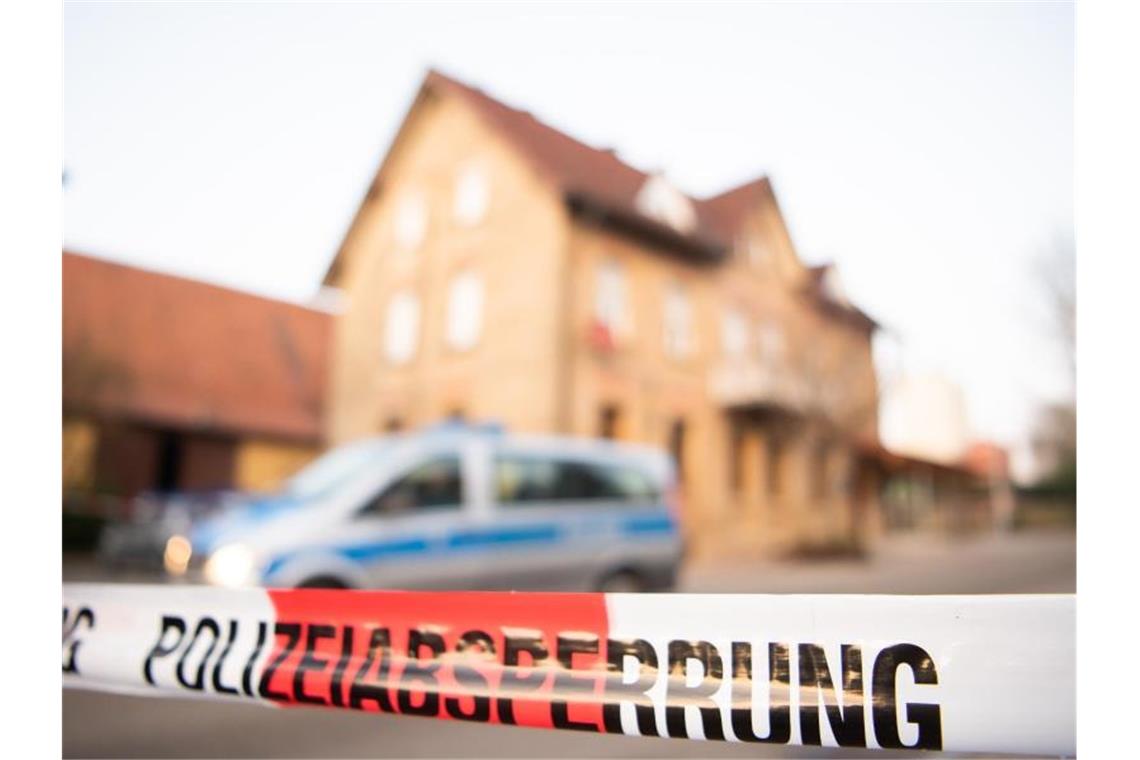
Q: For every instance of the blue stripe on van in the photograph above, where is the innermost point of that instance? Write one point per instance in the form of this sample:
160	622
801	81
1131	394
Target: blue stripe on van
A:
651	524
365	552
530	534
541	534
355	552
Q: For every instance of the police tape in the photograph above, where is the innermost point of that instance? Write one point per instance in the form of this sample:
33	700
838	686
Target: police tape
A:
966	673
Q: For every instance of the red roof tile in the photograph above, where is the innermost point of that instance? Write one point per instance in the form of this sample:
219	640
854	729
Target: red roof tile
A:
597	178
185	354
579	169
725	213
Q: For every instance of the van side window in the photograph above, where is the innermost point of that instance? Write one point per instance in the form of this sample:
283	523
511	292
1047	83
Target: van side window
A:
627	483
434	484
521	480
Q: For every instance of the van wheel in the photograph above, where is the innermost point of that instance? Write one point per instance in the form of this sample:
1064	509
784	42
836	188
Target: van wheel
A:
323	581
622	582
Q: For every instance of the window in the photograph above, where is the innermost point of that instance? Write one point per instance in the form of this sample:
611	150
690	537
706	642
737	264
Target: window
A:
841	478
334	468
775	466
659	200
754	249
678	323
401	327
734	333
771	340
464	311
434	484
526	479
472	196
819	485
736	462
170	460
411	220
677	447
610	308
833	288
608	422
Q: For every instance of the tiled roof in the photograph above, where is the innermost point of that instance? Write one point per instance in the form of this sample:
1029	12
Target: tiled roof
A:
185	354
816	290
580	170
595	178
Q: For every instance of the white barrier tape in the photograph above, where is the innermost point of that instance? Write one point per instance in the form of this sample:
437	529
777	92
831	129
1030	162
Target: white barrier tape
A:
967	673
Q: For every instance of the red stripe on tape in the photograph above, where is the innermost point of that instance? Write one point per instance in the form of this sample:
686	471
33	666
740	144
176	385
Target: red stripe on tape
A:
485	657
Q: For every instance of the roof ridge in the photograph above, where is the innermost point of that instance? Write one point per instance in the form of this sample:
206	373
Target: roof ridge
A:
751	184
146	270
178	352
471	90
598	171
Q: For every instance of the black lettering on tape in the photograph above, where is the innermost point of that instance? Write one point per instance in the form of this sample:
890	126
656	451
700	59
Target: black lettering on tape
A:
473	644
884	710
337	685
161	649
679	695
418	671
570	644
515	678
361	691
219	687
844	708
310	663
779	694
199	682
247	673
292	634
636	693
71	639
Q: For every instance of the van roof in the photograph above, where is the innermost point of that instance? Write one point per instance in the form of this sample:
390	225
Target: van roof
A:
563	444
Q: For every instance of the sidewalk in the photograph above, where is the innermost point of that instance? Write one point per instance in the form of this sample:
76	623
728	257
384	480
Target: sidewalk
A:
1026	562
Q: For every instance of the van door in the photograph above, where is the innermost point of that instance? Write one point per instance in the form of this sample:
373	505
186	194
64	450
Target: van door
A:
401	535
526	540
551	523
570	520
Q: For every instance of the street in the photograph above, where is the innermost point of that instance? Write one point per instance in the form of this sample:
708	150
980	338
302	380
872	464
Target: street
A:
102	725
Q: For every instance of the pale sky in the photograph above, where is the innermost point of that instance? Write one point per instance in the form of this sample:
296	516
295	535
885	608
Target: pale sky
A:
926	148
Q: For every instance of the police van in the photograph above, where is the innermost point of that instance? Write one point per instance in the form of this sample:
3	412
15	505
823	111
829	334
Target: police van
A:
457	506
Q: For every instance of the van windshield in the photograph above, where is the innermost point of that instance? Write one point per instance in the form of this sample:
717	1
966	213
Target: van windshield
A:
335	467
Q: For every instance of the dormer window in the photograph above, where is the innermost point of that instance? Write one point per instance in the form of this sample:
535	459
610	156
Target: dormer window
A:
833	287
659	200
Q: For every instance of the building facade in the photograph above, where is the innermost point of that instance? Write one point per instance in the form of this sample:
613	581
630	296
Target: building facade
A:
174	385
499	269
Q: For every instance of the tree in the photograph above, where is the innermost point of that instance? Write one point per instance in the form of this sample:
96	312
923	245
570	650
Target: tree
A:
1054	436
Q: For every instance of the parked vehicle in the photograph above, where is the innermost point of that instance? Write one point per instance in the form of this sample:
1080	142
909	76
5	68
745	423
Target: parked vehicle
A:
461	507
142	542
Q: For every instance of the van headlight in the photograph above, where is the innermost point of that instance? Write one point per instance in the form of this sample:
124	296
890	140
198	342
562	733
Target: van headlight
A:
231	565
176	555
